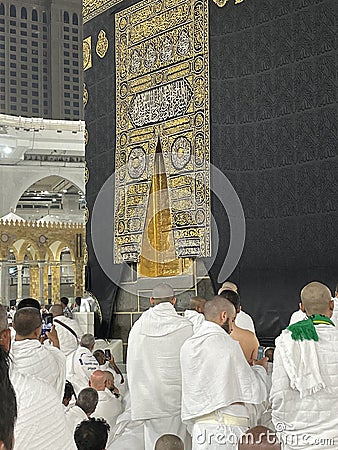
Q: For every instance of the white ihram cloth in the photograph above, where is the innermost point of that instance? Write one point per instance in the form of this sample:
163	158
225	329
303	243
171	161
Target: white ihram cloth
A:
74	415
41	422
297	316
128	434
243	320
216	378
80	365
154	373
68	342
46	363
195	318
304	393
109	407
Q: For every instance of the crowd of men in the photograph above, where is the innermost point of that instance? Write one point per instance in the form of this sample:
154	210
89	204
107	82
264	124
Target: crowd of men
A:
194	381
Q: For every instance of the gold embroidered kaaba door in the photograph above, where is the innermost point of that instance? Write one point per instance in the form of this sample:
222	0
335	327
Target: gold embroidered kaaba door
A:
162	92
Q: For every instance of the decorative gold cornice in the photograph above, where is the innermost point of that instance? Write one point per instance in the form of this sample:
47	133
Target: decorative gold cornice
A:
92	8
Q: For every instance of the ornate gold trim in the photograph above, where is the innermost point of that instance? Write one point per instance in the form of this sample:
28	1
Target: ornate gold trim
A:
87	53
102	44
85	95
92	8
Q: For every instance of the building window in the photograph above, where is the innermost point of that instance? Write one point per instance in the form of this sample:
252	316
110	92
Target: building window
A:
75	19
23	24
66	17
2	9
34	15
23	66
35	110
35	102
13	107
23	13
44	18
12	11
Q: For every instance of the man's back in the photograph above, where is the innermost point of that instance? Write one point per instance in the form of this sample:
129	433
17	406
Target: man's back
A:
313	416
153	362
41	422
68	341
47	363
248	342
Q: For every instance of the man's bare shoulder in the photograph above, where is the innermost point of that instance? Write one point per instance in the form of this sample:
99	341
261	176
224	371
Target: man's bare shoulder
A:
243	334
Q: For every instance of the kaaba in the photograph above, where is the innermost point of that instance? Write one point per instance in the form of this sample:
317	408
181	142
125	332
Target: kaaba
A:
227	107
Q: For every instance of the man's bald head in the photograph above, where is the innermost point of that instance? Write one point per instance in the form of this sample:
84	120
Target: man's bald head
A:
26	321
56	310
169	442
221	311
228	286
98	380
316	299
197	304
110	380
87	400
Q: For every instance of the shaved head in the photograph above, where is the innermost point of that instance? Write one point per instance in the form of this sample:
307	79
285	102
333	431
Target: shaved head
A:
220	311
197	304
98	380
169	442
109	378
228	286
57	310
316	298
26	321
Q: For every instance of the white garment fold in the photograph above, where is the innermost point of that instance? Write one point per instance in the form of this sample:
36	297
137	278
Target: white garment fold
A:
244	320
109	408
215	373
74	416
300	360
68	342
45	363
310	421
41	422
195	318
80	365
153	363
